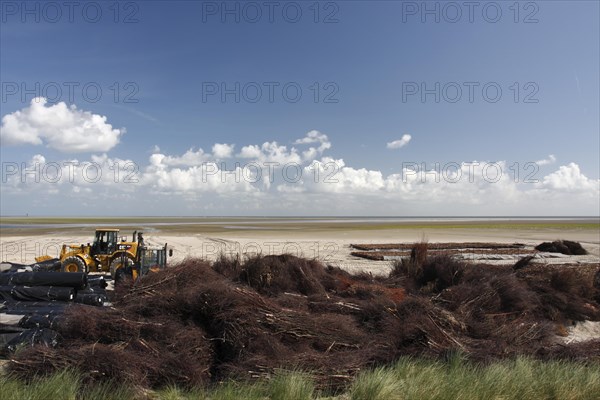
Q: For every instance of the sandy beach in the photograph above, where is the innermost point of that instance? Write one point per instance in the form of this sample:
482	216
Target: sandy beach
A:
326	240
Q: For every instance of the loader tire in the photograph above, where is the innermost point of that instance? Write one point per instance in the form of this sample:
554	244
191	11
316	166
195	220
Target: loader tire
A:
120	270
122	276
73	264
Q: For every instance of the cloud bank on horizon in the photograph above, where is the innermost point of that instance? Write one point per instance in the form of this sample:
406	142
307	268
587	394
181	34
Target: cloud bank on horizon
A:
262	179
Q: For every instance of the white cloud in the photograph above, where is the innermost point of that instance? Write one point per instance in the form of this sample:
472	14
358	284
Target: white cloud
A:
396	144
333	176
569	178
314	137
250	151
546	161
484	188
288	188
37	159
205	178
222	150
59	176
274	152
66	129
270	152
325	185
189	158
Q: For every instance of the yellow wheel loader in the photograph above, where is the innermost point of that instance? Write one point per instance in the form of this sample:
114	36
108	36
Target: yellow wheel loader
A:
109	253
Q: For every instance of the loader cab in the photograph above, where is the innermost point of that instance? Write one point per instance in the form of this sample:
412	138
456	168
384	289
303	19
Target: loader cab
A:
105	241
153	259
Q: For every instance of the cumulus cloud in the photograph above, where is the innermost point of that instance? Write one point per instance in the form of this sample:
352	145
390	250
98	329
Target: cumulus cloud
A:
41	175
250	151
268	152
546	161
396	144
205	178
189	158
335	176
63	128
305	184
276	153
474	186
271	152
222	150
314	137
569	178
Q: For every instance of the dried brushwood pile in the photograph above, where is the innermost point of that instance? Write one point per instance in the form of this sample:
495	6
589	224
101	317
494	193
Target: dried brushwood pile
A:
197	323
562	246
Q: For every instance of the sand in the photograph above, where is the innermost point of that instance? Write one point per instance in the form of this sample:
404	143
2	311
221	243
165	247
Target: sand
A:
331	246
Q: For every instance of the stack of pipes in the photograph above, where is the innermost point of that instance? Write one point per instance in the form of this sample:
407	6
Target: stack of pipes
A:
33	301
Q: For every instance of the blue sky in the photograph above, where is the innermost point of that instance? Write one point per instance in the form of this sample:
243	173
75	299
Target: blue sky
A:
366	57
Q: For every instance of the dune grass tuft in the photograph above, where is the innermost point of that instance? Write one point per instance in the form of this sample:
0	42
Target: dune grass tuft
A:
291	386
407	379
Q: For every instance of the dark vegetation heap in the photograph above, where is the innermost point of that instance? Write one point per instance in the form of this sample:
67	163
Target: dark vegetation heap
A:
562	246
198	323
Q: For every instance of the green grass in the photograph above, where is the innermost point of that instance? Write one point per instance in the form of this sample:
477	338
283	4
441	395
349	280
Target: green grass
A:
379	384
291	386
408	379
65	385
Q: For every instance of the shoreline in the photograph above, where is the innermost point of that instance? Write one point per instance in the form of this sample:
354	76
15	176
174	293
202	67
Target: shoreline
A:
199	225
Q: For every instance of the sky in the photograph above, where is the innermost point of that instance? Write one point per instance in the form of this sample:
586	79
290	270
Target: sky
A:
300	108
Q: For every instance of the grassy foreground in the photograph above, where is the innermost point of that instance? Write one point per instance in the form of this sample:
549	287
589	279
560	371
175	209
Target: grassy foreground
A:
522	378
